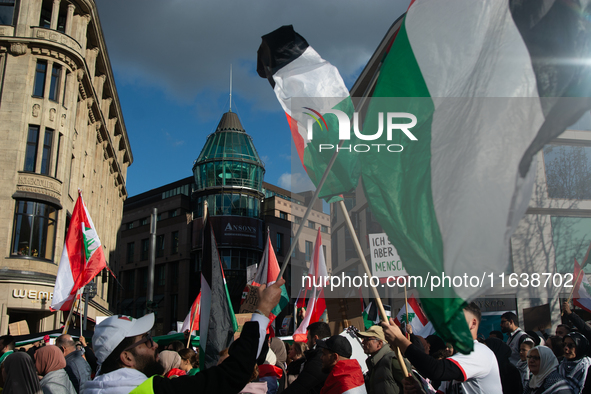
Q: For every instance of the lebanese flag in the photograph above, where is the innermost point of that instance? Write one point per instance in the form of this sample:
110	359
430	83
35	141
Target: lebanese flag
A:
309	88
82	258
193	316
267	273
345	378
421	326
316	305
582	293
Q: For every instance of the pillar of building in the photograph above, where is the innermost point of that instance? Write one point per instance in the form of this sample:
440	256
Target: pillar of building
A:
55	11
70	19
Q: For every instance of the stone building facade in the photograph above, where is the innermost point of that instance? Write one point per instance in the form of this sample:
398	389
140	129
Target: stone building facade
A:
62	129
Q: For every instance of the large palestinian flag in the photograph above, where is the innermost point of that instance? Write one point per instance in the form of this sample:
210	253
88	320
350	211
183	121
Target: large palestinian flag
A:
489	82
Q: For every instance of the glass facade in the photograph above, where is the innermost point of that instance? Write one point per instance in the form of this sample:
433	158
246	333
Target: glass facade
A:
33	231
229	173
235	204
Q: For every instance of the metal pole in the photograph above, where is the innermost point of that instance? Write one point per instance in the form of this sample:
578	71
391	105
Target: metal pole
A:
152	264
85	307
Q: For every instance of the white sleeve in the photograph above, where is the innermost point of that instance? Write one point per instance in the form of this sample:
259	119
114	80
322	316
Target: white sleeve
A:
263	323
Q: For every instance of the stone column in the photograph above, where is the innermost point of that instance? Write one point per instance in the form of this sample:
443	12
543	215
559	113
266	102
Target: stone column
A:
91	55
81	31
54	14
70	19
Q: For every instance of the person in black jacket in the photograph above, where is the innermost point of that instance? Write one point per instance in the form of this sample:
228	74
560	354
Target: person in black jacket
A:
311	379
576	320
128	358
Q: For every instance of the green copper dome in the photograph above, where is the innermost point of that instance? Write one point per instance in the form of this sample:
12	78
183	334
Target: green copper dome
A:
229	158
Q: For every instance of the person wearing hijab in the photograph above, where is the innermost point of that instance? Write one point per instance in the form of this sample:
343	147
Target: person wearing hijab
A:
510	375
171	361
525	344
20	376
278	347
50	363
545	378
575	365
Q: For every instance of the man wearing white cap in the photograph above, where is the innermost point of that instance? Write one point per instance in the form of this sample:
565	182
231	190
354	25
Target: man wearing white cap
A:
128	359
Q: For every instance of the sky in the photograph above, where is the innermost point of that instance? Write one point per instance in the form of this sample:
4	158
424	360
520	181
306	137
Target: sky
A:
171	60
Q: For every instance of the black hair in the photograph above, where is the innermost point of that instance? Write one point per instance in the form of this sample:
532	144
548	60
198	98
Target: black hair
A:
113	361
320	329
7	341
510	316
177	346
565	326
474	309
496	334
557	345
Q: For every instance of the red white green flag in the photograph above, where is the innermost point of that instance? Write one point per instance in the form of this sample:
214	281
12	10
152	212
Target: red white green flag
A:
316	305
82	258
267	275
421	326
191	321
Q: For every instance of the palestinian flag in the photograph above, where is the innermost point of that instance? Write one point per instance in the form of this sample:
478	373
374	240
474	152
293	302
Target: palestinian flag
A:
316	305
82	258
191	321
371	315
490	83
309	88
582	293
421	326
217	322
267	275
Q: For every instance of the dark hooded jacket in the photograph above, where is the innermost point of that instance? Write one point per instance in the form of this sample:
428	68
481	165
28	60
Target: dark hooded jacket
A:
510	375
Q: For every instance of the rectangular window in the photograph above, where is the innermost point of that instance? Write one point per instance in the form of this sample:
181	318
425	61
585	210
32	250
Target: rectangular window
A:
324	228
568	171
282	215
33	233
160	245
129	225
297	219
65	88
6	12
54	84
175	242
309	250
46	10
144	221
31	152
311	224
160	277
46	157
279	245
130	252
145	249
40	71
174	213
57	154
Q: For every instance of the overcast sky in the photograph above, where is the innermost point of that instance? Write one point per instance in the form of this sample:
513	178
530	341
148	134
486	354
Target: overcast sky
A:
171	61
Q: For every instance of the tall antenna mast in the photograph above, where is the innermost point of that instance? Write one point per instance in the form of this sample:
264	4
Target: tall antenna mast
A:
230	88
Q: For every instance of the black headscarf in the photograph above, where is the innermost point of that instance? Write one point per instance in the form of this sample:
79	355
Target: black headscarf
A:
21	376
581	344
510	376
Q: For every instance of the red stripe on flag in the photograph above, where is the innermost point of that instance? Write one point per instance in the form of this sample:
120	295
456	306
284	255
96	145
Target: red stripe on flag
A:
412	301
297	138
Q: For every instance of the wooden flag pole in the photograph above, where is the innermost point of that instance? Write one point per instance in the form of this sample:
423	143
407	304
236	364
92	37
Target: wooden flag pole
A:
65	330
367	271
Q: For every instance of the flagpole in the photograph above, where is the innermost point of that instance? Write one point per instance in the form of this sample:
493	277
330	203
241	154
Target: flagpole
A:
65	330
367	271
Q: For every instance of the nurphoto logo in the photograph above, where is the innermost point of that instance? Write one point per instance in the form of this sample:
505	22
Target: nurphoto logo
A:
393	124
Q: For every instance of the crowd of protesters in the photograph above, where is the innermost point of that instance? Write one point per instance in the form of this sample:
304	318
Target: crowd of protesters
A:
123	358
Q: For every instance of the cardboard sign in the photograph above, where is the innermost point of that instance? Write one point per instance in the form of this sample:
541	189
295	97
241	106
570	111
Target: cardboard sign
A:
241	318
343	308
252	299
384	257
19	328
537	318
339	326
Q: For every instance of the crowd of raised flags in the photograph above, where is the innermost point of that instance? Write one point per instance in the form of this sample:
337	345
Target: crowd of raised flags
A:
434	201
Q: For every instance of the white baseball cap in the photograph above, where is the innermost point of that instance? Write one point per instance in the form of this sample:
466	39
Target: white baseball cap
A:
113	330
